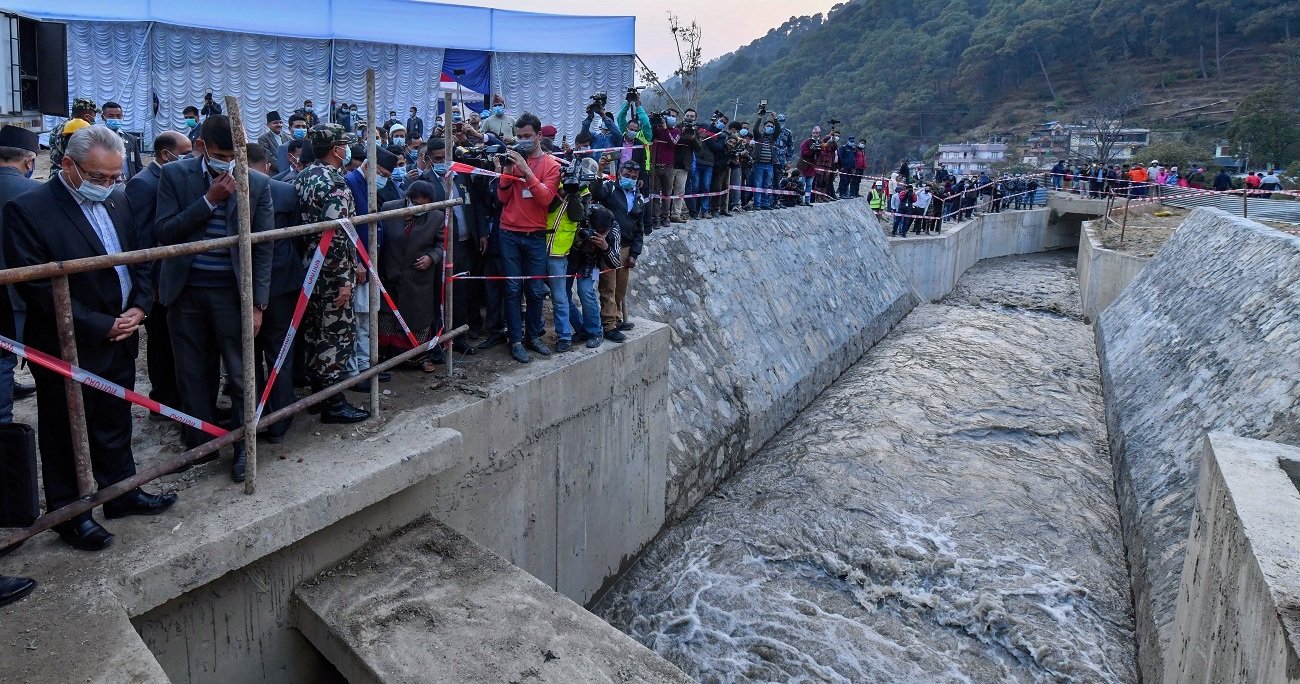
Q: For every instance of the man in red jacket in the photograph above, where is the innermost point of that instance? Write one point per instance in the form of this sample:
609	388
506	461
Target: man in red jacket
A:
524	205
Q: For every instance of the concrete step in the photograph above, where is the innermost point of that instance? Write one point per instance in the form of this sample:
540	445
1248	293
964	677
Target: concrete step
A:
429	605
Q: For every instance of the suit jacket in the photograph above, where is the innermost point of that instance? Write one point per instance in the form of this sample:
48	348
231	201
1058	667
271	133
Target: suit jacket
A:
12	184
182	216
609	194
47	225
142	196
475	212
287	271
271	143
134	164
414	127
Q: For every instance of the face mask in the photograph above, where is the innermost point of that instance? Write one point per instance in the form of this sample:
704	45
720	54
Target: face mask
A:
780	119
719	125
499	111
440	168
835	138
31	170
347	155
381	182
220	166
526	146
485	113
191	122
113	123
672	121
299	133
744	132
630	135
627	184
399	140
769	129
92	192
309	110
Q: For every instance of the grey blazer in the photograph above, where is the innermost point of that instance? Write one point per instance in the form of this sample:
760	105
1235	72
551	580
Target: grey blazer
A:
182	216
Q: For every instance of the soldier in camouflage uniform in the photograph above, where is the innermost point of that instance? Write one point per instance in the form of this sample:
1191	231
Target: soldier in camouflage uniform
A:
328	329
82	108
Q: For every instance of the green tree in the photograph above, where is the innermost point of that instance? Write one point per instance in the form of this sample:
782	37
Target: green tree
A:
1263	129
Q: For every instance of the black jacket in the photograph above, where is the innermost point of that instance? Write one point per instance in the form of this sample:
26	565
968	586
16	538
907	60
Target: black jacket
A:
629	221
47	225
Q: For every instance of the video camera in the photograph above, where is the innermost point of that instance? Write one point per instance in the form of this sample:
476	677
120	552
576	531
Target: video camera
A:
833	122
578	173
480	156
634	93
762	106
598	102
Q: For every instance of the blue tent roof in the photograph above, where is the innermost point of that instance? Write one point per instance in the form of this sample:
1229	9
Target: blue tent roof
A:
403	22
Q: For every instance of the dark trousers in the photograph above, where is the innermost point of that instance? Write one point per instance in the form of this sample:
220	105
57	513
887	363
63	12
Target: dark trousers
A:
855	184
275	326
205	329
108	422
161	360
494	296
467	295
845	181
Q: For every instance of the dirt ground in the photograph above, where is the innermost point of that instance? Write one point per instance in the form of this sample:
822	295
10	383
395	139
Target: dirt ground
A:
1145	232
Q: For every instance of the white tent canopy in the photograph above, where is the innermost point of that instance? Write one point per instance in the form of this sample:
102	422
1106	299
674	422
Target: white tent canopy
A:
273	54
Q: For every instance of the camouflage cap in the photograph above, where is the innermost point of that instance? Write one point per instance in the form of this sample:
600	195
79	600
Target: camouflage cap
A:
84	104
331	134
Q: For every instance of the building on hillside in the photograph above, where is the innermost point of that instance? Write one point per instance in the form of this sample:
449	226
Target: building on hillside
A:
1087	144
1224	157
964	158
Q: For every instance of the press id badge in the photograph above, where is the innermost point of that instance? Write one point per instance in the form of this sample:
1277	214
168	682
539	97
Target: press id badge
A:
527	193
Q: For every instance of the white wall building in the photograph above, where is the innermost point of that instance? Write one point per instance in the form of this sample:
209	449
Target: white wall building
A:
964	158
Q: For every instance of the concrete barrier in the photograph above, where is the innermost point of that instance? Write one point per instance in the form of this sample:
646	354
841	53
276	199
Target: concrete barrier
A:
1103	273
766	309
1238	617
1205	338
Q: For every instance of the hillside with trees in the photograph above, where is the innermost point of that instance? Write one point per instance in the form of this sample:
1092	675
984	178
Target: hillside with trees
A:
909	76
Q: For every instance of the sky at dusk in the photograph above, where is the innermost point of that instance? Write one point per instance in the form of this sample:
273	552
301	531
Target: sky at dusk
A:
725	24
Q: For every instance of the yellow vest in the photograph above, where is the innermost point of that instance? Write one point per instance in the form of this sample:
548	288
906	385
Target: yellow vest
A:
876	199
566	229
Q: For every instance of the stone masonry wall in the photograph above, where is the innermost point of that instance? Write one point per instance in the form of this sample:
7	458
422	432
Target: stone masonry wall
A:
1206	338
766	310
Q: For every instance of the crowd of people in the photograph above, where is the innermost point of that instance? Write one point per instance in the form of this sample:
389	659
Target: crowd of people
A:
1097	180
540	219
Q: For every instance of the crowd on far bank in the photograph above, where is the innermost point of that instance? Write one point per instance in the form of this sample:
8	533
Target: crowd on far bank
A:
1095	179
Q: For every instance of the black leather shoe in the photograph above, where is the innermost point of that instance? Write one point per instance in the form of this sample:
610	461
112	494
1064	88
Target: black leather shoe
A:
22	391
492	341
517	353
337	410
613	335
84	533
14	588
384	376
626	325
138	502
239	465
462	347
563	345
536	344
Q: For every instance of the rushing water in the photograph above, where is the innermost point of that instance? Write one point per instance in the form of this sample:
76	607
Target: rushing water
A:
943	513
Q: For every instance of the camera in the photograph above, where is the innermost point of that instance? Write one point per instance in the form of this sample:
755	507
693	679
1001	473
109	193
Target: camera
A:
598	102
833	122
579	173
634	93
586	232
480	156
717	114
762	106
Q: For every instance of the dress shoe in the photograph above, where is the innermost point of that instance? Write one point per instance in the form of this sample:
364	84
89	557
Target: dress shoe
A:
22	391
14	588
517	353
337	410
563	346
536	344
626	325
137	502
239	465
594	342
461	347
84	533
492	341
613	335
580	336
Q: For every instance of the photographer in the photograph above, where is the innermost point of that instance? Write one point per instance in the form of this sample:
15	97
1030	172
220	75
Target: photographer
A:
663	153
734	149
826	158
848	164
565	221
764	153
683	165
600	124
524	206
721	165
627	207
807	164
596	249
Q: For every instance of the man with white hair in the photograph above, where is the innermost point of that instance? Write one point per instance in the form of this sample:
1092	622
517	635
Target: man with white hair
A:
82	212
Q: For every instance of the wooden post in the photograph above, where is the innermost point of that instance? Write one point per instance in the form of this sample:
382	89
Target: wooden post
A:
1245	207
372	197
247	344
1124	225
72	390
448	237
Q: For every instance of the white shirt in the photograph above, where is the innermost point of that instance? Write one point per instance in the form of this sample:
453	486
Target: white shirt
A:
97	215
923	199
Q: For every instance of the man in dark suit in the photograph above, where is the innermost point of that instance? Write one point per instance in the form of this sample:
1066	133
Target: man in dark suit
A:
142	195
287	273
196	201
470	225
18	150
131	163
81	212
414	124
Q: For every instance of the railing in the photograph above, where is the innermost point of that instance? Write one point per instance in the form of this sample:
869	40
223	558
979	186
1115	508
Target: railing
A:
58	272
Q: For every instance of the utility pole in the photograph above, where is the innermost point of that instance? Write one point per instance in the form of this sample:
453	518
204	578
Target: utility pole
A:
735	112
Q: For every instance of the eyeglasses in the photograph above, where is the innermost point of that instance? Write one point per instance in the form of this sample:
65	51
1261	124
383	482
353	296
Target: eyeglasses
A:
96	178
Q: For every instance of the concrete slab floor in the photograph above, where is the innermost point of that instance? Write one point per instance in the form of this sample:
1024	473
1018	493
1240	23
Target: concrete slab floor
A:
428	604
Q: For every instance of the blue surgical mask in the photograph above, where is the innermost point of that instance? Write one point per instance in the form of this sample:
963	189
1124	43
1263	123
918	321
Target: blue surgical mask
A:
485	114
114	124
191	122
92	192
399	140
309	109
525	146
347	155
381	182
671	121
299	133
719	125
769	129
744	132
627	184
499	110
440	169
780	119
220	166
